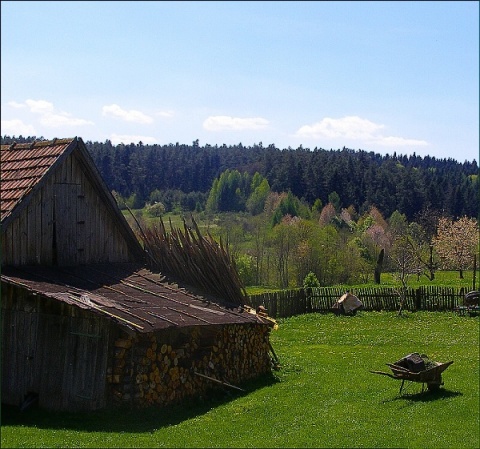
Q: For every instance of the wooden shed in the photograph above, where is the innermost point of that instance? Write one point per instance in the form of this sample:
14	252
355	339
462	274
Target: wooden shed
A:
84	323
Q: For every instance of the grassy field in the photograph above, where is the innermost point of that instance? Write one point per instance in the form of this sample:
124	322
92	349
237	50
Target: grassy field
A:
442	279
323	395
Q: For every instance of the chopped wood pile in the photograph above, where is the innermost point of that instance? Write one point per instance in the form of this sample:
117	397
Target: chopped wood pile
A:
195	259
145	371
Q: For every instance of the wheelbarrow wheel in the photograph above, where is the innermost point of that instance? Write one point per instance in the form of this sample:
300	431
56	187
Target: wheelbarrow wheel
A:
434	386
435	383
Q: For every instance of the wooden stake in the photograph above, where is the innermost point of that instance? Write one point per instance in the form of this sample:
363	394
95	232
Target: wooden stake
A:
219	381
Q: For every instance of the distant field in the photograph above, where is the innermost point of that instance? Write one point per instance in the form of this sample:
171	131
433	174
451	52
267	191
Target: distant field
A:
176	219
442	279
323	395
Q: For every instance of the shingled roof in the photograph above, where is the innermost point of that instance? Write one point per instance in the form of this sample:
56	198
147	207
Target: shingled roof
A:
22	167
129	294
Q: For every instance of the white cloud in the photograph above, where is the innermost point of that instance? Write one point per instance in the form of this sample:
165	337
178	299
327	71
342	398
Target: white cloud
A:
165	114
16	127
48	115
116	111
127	139
399	141
226	123
40	106
16	105
62	119
353	128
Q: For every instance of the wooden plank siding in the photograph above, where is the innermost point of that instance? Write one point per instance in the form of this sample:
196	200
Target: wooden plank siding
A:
32	224
86	374
22	238
85	230
7	241
294	302
65	211
61	352
45	218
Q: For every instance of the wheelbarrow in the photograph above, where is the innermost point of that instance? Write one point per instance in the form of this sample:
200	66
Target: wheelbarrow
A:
416	368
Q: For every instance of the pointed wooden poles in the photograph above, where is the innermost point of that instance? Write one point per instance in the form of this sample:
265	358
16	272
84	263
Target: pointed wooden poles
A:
195	259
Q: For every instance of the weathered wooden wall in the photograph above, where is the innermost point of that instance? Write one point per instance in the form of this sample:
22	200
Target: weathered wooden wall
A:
55	350
66	223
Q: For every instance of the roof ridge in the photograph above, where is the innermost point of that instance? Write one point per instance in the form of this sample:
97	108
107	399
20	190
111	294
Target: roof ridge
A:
55	141
38	143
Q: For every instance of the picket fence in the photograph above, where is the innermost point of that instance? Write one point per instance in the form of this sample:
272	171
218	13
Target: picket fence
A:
288	303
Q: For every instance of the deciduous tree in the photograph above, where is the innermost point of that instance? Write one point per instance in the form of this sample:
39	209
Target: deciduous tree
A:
405	262
456	242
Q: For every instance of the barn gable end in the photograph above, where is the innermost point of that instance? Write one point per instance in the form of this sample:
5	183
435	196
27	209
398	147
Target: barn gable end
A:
56	209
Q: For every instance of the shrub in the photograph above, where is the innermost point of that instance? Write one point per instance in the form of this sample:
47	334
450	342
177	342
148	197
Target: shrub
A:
156	210
246	268
310	281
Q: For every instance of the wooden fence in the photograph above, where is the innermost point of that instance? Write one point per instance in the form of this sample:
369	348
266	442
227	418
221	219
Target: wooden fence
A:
295	302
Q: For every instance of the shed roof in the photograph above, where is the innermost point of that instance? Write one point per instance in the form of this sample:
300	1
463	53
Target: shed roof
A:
129	294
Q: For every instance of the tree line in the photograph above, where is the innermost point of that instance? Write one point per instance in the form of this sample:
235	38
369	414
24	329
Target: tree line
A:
182	175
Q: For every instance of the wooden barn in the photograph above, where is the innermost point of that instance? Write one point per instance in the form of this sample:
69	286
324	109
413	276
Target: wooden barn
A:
85	324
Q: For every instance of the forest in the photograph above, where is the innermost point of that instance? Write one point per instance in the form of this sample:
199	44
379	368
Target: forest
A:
182	175
403	183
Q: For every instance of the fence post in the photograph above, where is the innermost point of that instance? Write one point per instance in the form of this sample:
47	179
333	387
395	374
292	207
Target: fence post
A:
418	299
308	299
474	271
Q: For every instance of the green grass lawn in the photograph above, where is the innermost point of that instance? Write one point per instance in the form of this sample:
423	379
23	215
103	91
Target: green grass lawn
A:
323	395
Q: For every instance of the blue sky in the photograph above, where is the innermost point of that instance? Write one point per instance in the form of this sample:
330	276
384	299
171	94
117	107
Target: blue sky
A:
377	76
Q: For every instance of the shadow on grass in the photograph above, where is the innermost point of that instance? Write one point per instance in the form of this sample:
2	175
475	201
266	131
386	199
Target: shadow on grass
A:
130	420
426	396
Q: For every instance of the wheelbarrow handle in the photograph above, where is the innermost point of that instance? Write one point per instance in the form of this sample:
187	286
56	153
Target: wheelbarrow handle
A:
385	374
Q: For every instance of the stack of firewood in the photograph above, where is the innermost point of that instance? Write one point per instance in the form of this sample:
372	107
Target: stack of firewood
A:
146	371
195	259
